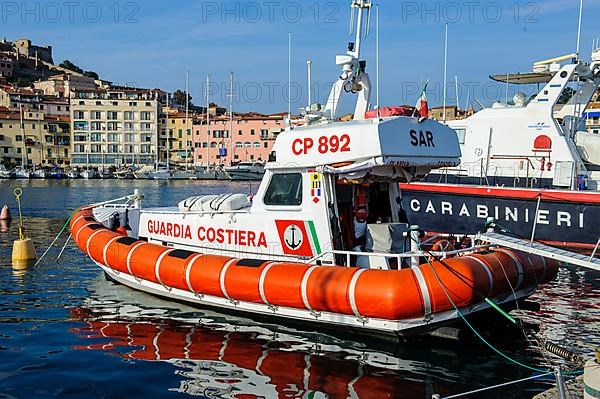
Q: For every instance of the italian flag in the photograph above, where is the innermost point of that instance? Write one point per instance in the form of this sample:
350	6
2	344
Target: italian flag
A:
422	104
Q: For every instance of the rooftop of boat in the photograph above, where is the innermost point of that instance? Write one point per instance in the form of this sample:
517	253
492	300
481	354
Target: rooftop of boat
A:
523	78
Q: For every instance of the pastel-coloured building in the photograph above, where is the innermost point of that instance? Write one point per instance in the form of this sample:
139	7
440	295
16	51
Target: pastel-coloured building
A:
176	134
248	137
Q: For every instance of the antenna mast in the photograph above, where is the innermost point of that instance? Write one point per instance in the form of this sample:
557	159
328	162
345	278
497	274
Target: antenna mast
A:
445	69
290	79
308	66
353	78
377	57
579	28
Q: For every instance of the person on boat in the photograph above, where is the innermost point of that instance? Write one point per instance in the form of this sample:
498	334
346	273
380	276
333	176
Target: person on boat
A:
360	228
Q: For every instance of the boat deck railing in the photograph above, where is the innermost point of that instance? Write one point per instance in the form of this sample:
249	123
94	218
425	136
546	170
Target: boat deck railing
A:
177	211
397	256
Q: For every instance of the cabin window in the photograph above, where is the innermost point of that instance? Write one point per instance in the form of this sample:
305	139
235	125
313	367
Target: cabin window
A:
462	134
284	189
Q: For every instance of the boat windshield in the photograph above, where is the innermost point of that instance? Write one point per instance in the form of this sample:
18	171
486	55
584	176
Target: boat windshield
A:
285	189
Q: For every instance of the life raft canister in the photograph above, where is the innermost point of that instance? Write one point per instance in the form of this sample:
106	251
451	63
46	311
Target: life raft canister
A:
386	112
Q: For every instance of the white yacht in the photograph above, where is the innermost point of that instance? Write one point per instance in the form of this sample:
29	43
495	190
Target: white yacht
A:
124	174
39	174
73	174
89	174
537	166
22	173
209	173
5	173
245	171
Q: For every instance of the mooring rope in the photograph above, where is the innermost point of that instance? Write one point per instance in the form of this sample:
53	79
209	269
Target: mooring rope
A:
55	240
474	330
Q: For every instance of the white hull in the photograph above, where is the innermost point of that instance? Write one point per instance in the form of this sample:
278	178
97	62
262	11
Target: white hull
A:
171	175
126	175
39	174
376	326
242	175
22	174
245	171
89	174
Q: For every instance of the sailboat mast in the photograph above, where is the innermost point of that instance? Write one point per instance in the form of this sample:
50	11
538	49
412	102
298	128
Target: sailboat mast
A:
168	138
187	110
457	96
207	121
231	120
24	155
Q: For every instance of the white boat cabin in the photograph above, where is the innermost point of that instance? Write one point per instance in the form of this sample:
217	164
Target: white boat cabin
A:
329	187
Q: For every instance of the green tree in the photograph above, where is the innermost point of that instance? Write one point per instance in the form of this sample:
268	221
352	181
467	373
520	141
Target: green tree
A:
179	98
22	81
70	66
91	74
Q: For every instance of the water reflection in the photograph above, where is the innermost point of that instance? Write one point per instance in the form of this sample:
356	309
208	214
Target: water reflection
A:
147	347
221	356
4	226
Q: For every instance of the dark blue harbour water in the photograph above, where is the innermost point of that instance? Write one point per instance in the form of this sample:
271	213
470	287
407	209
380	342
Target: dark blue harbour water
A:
67	331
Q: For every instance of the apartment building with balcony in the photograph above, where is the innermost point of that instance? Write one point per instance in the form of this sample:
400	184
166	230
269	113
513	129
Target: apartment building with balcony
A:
249	137
41	141
115	126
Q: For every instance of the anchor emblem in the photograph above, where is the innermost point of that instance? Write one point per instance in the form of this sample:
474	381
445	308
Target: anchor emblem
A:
293	237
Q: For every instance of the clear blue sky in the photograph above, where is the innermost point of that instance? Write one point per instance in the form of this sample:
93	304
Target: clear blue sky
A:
151	43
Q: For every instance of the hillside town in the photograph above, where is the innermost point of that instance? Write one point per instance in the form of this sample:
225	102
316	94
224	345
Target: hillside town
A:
55	119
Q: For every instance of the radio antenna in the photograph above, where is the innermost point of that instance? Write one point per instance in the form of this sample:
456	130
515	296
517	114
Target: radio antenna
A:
445	69
579	28
377	56
290	79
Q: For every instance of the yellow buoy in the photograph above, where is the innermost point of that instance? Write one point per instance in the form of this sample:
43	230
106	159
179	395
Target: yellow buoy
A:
23	253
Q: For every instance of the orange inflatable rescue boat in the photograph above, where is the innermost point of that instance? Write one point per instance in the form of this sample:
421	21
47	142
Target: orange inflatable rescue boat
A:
384	300
324	239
